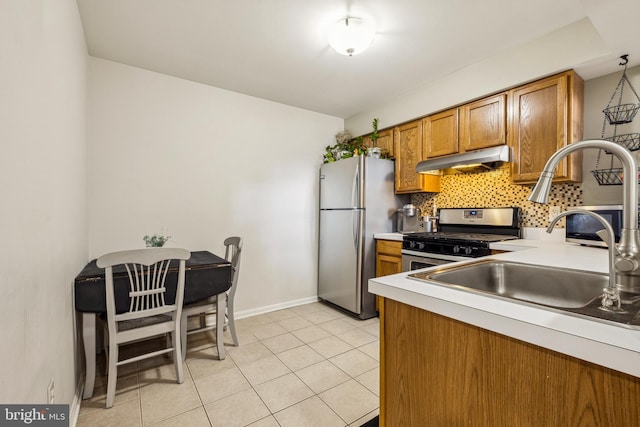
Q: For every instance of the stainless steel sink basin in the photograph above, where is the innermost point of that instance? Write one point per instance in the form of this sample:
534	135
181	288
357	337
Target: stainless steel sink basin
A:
573	292
554	287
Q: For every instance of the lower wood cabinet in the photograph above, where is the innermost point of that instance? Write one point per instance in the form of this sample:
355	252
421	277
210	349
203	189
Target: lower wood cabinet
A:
388	257
388	260
436	371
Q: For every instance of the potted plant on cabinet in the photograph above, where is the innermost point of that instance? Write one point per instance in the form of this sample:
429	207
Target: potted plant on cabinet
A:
374	151
346	146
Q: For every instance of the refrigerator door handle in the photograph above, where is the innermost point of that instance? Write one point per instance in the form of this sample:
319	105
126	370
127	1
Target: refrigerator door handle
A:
357	236
354	230
355	189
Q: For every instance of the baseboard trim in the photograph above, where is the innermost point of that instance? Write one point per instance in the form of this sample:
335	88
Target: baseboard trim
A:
269	308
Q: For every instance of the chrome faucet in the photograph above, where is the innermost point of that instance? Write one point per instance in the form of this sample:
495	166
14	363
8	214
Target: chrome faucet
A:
627	252
610	300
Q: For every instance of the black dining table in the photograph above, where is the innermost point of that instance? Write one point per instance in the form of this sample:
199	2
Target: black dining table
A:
206	275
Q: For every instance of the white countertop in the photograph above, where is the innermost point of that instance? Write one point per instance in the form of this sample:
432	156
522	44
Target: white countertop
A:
388	236
616	347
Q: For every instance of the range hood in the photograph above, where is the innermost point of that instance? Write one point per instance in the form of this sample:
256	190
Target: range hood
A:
487	158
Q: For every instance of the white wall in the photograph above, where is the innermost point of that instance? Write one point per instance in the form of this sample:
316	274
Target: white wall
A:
200	164
43	220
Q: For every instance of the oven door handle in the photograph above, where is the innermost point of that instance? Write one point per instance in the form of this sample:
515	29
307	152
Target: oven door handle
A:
442	257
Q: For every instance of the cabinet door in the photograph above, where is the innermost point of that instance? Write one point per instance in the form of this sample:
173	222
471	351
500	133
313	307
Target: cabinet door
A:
441	133
387	264
545	116
386	141
388	257
483	123
408	139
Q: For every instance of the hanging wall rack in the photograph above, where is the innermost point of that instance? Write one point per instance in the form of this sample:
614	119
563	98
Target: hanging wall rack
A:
621	113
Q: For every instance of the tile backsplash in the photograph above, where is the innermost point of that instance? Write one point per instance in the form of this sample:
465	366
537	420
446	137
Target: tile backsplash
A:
495	189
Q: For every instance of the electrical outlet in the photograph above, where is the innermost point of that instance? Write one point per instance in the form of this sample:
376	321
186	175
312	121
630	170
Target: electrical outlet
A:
554	211
50	393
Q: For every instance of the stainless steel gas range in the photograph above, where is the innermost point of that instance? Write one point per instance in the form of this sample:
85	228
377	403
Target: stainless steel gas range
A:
463	233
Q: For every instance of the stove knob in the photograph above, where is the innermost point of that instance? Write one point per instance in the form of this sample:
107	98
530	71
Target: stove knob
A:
421	245
456	249
412	245
467	250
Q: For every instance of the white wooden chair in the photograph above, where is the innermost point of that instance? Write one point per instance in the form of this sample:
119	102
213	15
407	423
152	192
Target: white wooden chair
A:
210	306
149	314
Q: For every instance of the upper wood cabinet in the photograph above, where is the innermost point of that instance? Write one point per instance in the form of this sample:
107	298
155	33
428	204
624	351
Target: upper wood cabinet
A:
545	116
441	133
408	152
385	141
483	123
535	119
476	125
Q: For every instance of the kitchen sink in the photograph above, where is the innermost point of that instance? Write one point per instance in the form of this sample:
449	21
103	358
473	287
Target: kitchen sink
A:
555	287
572	291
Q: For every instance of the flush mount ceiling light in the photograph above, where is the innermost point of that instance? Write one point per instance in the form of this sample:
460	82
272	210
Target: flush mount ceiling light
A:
351	36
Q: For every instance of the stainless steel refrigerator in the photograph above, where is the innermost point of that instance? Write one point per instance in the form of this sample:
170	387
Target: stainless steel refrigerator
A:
356	200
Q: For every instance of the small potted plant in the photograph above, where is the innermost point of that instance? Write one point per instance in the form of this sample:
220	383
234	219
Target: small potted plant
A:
374	151
155	241
346	146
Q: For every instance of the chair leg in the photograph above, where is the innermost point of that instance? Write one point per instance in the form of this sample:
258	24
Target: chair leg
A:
89	339
183	336
178	356
113	374
220	314
232	323
105	345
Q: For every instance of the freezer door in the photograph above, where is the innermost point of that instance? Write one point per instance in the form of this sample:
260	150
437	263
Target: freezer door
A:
341	184
340	258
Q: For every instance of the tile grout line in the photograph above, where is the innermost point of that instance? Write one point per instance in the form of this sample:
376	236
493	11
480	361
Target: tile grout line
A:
349	376
299	317
315	394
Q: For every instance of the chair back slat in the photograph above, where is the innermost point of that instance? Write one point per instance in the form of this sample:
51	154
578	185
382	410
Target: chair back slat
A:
147	285
147	271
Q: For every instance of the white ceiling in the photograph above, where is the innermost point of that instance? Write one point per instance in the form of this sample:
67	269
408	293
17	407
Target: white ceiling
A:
277	49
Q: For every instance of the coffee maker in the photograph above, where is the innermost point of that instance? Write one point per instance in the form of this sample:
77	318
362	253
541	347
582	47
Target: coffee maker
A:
408	219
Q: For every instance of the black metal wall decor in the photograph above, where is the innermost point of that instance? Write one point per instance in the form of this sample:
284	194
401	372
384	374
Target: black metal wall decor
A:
621	113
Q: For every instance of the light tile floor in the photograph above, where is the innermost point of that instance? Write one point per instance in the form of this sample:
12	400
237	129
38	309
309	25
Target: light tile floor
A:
309	365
